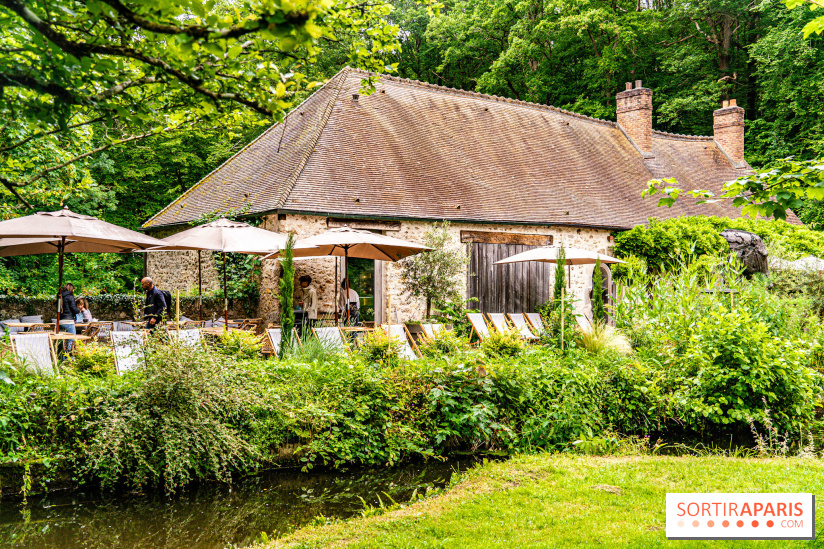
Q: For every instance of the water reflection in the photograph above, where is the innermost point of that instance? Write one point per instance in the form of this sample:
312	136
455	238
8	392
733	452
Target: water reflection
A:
211	516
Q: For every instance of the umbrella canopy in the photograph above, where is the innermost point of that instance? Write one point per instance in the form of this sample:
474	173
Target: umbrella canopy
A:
549	254
348	242
36	246
65	224
226	236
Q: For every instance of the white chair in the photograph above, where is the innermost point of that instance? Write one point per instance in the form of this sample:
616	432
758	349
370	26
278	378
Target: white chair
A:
535	320
331	337
409	350
498	321
128	351
478	325
36	349
583	323
190	338
520	323
429	330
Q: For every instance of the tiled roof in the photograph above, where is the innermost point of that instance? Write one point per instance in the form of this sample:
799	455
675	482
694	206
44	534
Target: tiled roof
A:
414	150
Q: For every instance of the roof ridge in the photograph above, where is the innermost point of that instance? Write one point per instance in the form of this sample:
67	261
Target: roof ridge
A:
327	113
478	95
669	135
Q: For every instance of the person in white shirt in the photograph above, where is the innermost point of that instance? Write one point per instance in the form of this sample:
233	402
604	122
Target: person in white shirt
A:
308	300
353	304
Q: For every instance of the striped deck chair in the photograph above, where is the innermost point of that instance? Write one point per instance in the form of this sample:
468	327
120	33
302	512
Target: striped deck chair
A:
536	321
128	350
498	321
429	330
271	342
583	323
520	323
331	337
478	325
409	350
189	337
36	349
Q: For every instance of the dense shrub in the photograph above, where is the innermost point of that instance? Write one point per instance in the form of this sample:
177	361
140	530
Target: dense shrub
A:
378	347
445	342
240	344
94	358
503	343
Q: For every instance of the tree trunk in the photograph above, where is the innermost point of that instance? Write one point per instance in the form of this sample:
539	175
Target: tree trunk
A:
428	307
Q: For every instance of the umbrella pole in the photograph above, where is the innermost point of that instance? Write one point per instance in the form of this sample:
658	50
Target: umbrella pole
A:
337	277
225	298
60	248
199	286
346	274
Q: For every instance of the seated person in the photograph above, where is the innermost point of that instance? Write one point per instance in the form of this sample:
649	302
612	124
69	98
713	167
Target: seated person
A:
83	305
352	305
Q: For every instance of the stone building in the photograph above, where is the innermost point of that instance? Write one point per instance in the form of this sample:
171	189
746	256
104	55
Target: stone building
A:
506	174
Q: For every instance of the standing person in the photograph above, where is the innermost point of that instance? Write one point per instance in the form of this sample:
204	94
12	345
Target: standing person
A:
155	303
69	312
352	304
308	300
83	305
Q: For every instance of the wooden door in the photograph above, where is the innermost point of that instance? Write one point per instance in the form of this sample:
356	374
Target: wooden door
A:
511	288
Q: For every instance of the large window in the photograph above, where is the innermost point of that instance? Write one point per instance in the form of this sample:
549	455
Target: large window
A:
362	280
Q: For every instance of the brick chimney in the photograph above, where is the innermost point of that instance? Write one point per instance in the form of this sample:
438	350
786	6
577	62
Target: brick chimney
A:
728	131
634	107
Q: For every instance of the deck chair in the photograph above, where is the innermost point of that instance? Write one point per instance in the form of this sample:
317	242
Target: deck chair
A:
332	337
520	323
128	351
583	323
478	325
429	330
271	340
190	337
42	327
99	330
192	324
35	349
535	320
409	350
498	321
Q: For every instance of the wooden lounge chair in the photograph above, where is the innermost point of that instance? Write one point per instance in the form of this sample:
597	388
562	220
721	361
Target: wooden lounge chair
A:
478	325
409	350
271	342
189	337
42	327
192	324
128	350
332	337
35	349
498	321
535	320
520	323
99	330
583	323
429	330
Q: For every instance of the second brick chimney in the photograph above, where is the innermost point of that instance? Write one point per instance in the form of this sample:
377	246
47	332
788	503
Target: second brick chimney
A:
634	109
728	131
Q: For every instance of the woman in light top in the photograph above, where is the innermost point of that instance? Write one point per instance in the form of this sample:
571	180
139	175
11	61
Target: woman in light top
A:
83	305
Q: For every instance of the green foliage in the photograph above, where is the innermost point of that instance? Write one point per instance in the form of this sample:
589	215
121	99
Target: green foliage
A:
444	343
598	313
434	275
240	344
503	343
93	358
560	276
603	338
182	422
378	348
454	313
286	285
663	245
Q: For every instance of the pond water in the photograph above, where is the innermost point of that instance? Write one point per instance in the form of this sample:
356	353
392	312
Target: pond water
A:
211	516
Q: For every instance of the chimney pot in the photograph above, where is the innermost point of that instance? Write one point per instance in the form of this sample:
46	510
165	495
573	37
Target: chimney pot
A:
725	104
728	131
634	110
629	85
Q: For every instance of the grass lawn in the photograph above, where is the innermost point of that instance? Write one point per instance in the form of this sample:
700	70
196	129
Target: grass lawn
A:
569	501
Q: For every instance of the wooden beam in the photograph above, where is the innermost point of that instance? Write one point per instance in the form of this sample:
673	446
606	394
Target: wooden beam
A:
487	237
372	224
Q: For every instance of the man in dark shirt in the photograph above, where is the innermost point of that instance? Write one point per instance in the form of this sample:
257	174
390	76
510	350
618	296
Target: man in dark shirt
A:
155	303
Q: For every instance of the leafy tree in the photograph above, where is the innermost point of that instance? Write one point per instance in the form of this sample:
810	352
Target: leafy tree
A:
598	313
286	285
434	275
80	77
560	275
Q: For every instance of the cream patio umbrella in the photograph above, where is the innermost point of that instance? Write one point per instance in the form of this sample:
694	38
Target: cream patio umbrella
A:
63	232
346	242
224	236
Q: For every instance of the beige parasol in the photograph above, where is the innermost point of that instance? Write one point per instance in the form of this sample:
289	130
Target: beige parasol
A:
66	231
347	242
224	236
549	254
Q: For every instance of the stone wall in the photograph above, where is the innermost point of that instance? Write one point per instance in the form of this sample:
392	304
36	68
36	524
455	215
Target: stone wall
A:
322	270
173	271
